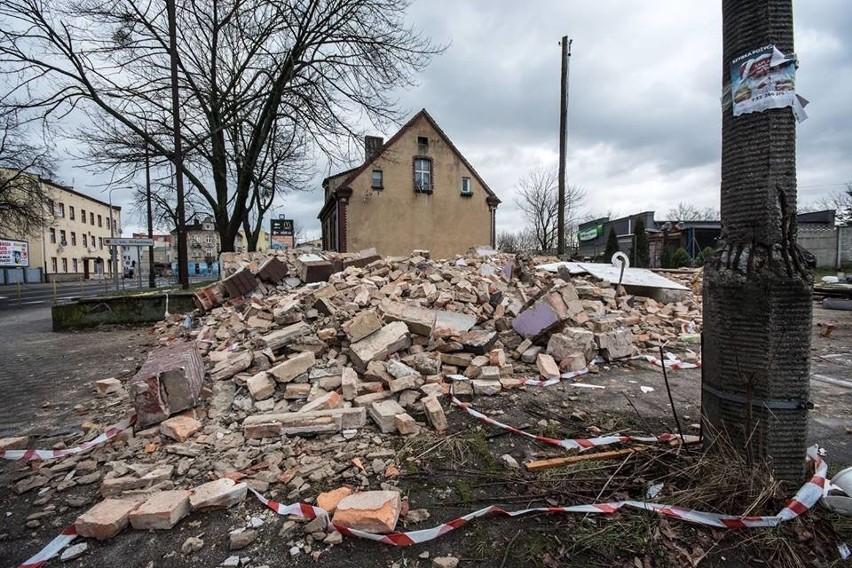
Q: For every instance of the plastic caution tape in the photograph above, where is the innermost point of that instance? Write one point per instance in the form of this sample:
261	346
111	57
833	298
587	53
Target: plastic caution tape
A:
571	444
52	549
32	454
671	362
805	498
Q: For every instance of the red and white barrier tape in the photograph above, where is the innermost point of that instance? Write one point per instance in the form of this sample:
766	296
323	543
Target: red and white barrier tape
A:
33	454
805	498
671	362
571	444
52	549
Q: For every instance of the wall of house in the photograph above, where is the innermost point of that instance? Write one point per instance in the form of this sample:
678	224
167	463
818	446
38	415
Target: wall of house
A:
845	236
821	242
396	220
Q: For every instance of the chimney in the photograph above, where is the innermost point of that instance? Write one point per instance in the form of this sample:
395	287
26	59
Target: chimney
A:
372	144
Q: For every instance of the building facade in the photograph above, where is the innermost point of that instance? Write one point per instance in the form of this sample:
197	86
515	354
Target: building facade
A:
417	191
203	246
72	246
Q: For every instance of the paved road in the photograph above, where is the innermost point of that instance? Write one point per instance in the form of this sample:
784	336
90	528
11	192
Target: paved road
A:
44	374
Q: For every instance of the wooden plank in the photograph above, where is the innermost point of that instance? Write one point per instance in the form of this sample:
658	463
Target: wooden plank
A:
557	462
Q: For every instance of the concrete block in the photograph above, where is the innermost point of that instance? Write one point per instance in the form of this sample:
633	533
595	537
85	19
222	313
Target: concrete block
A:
478	341
168	382
272	270
418	319
240	283
383	413
106	519
260	386
219	494
349	383
547	367
406	425
161	511
319	421
615	344
370	511
435	413
180	428
278	339
377	346
293	367
362	325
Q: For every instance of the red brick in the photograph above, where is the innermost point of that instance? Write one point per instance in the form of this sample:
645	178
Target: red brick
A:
106	519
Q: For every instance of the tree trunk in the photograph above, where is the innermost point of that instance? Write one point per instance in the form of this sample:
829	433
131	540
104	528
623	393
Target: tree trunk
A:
757	287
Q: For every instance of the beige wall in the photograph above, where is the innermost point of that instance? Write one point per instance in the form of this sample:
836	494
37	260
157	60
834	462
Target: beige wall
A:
397	220
43	251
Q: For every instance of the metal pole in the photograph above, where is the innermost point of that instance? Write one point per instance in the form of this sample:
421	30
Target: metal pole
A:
563	134
113	250
183	265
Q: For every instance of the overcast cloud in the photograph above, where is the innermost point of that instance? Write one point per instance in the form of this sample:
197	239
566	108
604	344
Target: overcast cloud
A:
644	114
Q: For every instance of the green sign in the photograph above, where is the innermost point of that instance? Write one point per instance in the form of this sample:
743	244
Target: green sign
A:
590	233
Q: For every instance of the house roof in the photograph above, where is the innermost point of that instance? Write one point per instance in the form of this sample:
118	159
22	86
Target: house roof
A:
355	172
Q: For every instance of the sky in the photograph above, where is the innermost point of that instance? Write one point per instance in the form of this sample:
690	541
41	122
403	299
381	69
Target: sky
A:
644	119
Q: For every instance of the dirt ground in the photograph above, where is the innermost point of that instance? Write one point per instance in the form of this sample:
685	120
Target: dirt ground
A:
448	476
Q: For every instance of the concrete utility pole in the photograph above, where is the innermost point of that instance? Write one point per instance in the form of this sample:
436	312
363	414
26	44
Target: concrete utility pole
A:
757	287
152	282
183	264
563	135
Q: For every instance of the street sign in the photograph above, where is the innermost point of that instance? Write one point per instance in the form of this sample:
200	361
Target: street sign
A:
282	227
114	242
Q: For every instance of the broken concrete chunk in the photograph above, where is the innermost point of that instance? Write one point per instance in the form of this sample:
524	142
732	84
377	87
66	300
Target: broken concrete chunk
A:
316	422
293	367
107	386
349	384
377	346
400	370
272	271
180	428
106	519
362	325
235	363
168	382
161	511
547	367
383	413
535	320
219	494
455	321
615	344
486	387
260	386
419	320
240	283
370	511
279	339
435	413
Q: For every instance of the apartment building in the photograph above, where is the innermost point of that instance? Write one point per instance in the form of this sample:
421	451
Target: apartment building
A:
72	246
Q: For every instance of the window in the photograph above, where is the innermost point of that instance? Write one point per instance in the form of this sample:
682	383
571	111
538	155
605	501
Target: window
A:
53	237
101	243
377	179
73	239
209	239
53	264
91	218
64	265
85	240
83	216
423	175
74	262
100	221
466	188
62	240
51	207
422	145
71	212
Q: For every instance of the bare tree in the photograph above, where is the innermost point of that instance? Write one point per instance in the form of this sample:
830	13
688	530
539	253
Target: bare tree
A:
24	202
246	68
538	198
689	212
839	201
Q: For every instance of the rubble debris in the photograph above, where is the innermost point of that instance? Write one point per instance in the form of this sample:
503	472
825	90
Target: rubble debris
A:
106	519
161	511
168	382
219	494
180	428
371	511
108	386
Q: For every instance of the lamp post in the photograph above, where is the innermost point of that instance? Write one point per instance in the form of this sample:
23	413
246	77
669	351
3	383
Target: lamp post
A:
112	249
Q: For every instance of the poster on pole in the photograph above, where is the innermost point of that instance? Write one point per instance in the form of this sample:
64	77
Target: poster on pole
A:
765	78
14	254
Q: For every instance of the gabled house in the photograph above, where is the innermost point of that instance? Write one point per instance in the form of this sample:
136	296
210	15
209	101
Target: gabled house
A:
417	191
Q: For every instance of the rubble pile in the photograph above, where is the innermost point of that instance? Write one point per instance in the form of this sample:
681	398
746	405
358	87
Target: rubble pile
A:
305	373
